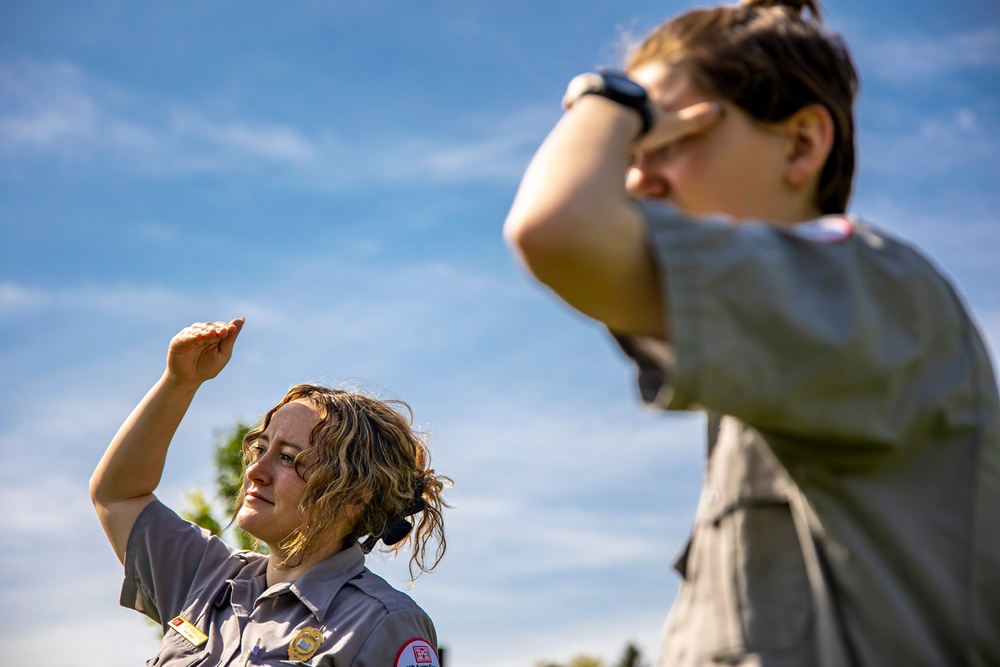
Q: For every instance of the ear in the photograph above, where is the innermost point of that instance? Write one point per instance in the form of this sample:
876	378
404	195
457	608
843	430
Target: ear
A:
810	138
351	510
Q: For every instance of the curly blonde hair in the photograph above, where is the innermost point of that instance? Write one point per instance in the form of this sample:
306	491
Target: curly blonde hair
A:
366	462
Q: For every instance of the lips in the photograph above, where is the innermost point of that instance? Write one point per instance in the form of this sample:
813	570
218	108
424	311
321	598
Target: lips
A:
254	497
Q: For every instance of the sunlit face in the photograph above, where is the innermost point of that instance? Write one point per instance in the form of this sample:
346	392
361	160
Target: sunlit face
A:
734	167
274	488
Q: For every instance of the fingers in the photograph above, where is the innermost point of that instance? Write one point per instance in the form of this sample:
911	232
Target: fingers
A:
199	352
202	330
234	328
703	112
671	126
202	334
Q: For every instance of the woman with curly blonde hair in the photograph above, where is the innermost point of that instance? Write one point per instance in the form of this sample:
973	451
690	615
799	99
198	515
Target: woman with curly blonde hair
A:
328	474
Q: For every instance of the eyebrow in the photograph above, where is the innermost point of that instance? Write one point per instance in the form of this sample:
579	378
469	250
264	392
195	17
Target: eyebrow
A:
281	442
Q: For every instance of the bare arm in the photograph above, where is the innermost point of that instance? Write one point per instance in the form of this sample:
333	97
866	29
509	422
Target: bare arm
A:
128	473
576	228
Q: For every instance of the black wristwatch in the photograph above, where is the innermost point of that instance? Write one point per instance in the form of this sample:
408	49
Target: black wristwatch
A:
615	86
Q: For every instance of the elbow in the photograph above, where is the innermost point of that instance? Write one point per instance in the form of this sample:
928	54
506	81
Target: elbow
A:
521	234
522	228
540	237
101	492
96	496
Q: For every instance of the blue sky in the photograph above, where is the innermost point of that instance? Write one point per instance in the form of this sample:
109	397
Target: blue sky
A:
338	173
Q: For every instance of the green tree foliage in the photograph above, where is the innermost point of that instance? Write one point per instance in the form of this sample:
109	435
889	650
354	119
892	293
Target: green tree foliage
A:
631	657
228	459
577	661
199	511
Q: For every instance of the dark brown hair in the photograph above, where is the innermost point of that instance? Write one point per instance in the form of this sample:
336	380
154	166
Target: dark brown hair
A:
364	461
770	58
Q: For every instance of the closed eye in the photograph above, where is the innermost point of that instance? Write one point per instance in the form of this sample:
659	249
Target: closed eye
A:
671	148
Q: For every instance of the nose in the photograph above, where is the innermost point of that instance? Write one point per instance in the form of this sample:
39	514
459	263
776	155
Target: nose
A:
259	470
643	180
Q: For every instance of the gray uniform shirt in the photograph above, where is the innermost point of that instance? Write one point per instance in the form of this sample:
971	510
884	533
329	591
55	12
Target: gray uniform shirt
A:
338	612
853	476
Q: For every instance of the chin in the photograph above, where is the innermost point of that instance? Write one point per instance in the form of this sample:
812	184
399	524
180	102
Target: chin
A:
245	522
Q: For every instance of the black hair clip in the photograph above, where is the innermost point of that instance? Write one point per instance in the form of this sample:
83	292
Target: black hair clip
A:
398	527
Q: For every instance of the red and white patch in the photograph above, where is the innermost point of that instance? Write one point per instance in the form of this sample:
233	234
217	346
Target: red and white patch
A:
417	653
829	229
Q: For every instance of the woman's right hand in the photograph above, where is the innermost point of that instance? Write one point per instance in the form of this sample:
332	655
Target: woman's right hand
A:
199	352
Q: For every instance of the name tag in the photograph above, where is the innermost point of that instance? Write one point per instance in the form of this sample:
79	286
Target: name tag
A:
187	630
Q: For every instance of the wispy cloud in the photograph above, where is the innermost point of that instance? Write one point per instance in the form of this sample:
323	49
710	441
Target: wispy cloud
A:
58	112
932	144
906	58
121	302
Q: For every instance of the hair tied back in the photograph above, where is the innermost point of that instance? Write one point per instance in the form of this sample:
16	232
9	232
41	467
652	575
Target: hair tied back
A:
795	7
399	527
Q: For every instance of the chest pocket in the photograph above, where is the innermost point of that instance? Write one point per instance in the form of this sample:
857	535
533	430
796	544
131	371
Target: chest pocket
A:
275	652
747	590
280	659
176	651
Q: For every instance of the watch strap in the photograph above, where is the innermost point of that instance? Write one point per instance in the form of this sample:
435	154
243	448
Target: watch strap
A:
615	86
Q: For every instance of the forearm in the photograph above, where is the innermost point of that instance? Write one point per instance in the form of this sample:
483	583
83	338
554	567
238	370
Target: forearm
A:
128	473
575	227
133	463
575	184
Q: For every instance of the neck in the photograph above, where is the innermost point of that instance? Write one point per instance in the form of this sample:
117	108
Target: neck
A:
792	212
278	572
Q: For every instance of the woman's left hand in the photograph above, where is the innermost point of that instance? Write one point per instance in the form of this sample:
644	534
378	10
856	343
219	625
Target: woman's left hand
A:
671	126
200	352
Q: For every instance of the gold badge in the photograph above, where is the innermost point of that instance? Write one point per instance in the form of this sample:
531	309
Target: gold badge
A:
188	631
305	644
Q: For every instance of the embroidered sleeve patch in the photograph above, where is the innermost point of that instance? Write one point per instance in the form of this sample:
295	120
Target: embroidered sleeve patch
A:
417	653
828	229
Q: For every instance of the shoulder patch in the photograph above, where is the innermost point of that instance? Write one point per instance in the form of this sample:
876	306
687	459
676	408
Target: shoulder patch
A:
417	653
828	229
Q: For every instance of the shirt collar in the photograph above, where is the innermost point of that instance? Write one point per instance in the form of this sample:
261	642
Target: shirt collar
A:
319	585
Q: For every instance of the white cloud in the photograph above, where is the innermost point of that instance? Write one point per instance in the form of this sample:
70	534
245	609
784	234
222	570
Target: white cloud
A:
50	504
55	111
931	145
131	302
906	58
15	297
264	141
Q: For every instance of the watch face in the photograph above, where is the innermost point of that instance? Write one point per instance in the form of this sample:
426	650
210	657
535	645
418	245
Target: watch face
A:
624	85
615	86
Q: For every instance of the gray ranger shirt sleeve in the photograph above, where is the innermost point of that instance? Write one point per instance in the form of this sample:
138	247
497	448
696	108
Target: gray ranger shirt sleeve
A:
164	563
803	337
853	409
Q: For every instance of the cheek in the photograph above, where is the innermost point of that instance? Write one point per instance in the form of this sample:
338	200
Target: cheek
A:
292	492
692	180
